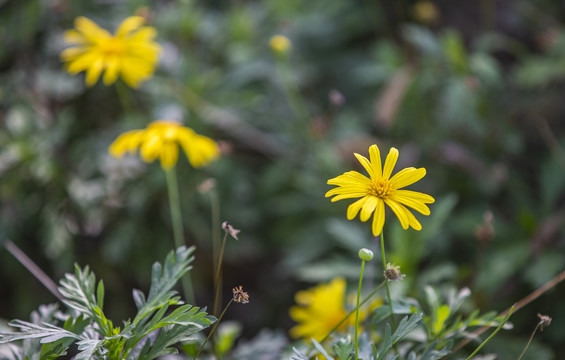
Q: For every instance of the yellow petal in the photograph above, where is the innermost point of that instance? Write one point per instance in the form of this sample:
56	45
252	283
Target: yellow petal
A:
390	162
415	195
74	37
169	155
407	177
414	223
375	156
399	212
151	148
112	70
366	164
83	62
379	218
93	72
90	30
129	24
72	53
354	208
412	202
368	208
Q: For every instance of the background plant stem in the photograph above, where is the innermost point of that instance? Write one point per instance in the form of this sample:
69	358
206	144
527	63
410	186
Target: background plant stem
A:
387	282
178	230
357	309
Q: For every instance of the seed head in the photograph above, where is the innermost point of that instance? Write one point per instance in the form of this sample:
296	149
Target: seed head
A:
392	273
230	230
239	295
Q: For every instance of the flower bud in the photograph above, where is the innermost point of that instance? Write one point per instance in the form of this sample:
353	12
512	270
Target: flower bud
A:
279	44
366	254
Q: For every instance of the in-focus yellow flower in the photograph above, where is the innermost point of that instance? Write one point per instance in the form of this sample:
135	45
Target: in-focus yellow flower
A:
131	53
380	189
280	44
161	139
321	308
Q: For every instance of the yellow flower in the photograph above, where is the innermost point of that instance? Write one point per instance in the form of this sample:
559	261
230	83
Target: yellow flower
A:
279	44
161	140
131	53
321	308
381	189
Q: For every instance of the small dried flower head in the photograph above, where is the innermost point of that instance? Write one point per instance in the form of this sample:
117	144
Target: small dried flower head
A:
392	273
206	186
230	230
544	321
366	254
239	295
485	232
280	44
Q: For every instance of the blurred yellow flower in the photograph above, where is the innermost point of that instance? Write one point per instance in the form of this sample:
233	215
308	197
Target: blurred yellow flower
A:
131	53
381	189
321	308
161	140
279	44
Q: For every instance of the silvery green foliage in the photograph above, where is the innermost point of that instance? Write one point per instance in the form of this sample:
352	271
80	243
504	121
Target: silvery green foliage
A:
267	345
151	334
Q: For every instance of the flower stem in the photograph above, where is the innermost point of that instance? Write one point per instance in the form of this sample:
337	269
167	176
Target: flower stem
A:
125	98
529	341
493	334
387	282
178	231
217	278
352	311
357	309
215	209
213	329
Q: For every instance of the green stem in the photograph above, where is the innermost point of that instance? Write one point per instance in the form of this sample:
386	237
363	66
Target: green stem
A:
387	285
352	311
178	231
125	98
357	310
213	329
217	278
529	341
493	334
215	208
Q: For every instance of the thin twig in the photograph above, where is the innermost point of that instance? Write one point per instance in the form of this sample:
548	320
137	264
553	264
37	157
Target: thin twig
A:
520	304
33	268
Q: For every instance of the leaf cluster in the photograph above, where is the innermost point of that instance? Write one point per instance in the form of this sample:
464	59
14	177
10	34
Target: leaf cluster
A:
162	319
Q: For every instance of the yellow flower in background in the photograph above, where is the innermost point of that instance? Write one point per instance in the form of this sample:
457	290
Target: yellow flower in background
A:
280	44
130	54
379	189
321	308
161	139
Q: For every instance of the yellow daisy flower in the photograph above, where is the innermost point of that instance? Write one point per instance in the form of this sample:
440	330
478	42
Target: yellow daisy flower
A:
380	189
161	140
321	308
131	53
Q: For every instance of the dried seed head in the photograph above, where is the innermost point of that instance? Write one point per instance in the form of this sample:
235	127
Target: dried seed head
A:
392	273
239	295
230	230
485	232
544	321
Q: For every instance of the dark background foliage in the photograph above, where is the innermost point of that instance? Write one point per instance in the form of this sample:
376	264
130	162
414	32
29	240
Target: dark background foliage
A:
471	90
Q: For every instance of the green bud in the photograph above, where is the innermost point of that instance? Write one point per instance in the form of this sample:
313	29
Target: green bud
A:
366	254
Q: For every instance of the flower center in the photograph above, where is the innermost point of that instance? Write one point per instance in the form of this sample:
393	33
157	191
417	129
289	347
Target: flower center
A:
113	46
381	188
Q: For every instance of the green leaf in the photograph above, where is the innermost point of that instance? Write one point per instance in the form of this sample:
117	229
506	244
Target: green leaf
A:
100	295
47	333
344	348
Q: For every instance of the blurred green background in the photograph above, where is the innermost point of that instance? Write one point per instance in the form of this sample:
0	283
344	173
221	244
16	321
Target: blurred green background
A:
471	90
